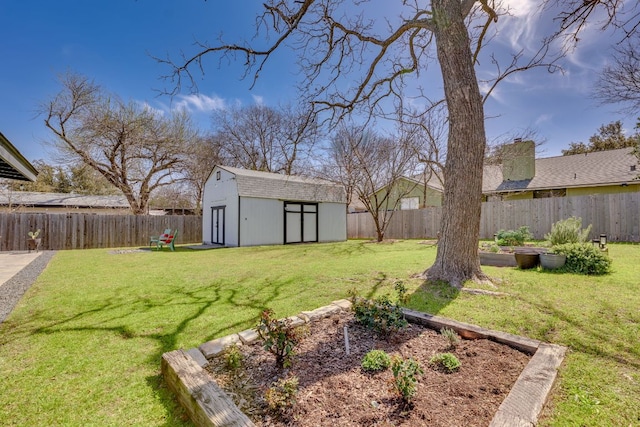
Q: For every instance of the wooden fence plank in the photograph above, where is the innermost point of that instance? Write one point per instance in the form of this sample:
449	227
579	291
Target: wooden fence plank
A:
617	215
85	231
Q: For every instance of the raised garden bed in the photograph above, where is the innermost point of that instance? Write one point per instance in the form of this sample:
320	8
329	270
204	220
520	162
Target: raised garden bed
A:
207	404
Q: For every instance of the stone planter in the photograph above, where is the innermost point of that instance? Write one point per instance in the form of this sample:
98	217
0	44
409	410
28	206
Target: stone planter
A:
33	244
552	261
497	259
527	259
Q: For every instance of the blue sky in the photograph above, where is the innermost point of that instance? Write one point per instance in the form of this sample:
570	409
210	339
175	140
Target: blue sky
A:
112	43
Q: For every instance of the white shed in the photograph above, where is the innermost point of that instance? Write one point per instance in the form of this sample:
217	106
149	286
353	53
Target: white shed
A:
248	208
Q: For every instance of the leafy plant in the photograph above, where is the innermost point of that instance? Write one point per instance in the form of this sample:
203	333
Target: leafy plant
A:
233	358
451	336
381	314
513	237
584	258
448	362
281	396
376	360
279	337
568	231
405	373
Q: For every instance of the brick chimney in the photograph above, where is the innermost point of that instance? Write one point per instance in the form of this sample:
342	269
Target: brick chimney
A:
519	160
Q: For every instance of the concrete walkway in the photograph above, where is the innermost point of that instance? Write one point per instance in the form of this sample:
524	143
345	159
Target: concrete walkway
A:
12	262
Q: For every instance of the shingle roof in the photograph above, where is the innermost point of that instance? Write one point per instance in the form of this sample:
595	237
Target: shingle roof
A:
28	198
611	167
286	187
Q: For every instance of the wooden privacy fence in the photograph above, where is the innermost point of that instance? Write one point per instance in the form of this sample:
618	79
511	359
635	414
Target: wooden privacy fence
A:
616	215
86	231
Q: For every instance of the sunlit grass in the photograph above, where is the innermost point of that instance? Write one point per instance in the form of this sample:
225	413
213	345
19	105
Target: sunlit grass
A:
83	347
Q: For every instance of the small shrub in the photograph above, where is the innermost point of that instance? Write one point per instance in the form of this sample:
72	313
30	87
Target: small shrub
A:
446	361
382	315
281	396
405	373
513	237
584	258
451	336
279	337
233	358
376	360
568	231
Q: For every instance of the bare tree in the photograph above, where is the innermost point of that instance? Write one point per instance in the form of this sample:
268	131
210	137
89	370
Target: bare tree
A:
204	155
371	167
375	59
267	139
619	82
134	148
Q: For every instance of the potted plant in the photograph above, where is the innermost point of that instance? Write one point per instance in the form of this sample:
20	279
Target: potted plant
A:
33	242
551	261
527	258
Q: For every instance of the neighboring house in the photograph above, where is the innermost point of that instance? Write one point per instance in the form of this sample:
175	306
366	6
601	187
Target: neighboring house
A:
248	208
26	201
522	176
413	194
13	165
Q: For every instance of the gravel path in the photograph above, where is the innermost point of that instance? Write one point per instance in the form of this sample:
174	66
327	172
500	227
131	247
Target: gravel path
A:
12	290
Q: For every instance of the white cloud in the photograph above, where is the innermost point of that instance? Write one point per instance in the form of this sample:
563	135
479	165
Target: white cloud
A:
543	118
259	100
156	111
521	25
199	103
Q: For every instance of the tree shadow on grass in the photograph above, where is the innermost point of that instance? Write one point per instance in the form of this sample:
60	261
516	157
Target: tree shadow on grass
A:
432	296
595	338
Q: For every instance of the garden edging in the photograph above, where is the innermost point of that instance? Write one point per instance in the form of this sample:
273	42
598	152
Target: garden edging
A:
208	405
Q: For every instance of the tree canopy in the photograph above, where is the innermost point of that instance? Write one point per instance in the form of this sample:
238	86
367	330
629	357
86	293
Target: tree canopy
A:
134	148
609	137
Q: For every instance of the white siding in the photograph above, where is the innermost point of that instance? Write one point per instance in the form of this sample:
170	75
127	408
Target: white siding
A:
332	222
261	222
252	221
223	192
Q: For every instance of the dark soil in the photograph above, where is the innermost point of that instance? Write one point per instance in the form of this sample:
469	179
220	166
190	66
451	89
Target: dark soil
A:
334	390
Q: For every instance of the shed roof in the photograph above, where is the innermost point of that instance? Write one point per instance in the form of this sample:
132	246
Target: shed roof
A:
12	164
611	167
285	187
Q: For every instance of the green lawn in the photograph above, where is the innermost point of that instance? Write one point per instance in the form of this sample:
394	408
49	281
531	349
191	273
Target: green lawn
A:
83	347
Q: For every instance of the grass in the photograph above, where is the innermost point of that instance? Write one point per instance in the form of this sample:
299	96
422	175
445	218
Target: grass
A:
83	346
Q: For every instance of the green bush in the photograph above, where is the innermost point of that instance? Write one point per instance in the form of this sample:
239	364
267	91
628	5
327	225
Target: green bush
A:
281	396
568	231
376	360
381	314
279	337
513	237
584	258
446	361
451	336
233	358
405	373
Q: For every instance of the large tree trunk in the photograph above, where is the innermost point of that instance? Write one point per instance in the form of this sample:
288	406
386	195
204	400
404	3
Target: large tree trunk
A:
457	258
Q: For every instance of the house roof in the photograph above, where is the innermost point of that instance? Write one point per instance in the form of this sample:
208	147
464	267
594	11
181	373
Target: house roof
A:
12	164
434	181
611	167
27	198
286	187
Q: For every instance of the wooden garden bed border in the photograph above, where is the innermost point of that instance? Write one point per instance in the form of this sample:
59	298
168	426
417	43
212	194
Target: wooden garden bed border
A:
208	405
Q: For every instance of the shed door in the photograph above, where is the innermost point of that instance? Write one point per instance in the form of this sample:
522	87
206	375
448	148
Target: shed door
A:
300	222
217	225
